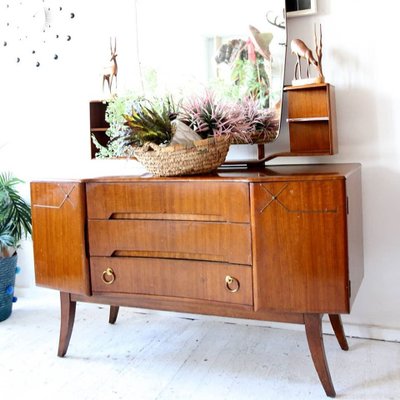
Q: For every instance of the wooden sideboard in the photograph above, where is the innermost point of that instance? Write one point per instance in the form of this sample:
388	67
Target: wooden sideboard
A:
282	243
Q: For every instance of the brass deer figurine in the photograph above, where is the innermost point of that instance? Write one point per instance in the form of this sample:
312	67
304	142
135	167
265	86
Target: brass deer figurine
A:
111	71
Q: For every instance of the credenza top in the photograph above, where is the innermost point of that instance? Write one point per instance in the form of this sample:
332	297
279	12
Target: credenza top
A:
268	173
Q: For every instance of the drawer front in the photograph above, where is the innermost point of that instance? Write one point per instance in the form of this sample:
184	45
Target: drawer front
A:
172	278
213	241
306	103
201	201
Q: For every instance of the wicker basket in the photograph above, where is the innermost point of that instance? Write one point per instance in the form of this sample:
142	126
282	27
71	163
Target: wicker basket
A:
202	157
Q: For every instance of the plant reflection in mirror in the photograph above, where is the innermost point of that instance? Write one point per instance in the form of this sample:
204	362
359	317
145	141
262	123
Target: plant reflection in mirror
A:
249	64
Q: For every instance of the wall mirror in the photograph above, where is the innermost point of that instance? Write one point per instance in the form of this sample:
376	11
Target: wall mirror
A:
234	51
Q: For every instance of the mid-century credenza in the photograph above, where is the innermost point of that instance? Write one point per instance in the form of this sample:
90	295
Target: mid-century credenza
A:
278	243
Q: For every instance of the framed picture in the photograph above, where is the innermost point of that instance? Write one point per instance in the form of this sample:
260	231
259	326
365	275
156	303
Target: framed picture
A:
297	8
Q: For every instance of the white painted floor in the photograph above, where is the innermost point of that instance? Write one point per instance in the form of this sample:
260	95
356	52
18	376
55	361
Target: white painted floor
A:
155	355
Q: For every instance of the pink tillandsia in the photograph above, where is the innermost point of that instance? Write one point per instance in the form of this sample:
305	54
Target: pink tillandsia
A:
209	117
263	122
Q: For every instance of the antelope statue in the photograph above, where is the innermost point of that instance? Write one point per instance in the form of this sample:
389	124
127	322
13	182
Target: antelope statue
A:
111	71
300	49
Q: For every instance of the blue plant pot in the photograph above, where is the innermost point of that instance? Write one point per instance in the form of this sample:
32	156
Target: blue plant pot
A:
7	281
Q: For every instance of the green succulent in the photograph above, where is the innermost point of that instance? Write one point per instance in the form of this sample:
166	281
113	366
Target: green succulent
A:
150	121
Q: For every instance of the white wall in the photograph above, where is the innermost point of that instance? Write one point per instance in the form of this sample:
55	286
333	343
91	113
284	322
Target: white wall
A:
358	39
45	125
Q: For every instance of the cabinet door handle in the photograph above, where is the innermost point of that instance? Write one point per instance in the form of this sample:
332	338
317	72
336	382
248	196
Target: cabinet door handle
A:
232	284
108	276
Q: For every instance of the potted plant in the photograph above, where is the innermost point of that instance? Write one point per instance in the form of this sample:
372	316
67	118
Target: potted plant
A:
167	146
15	223
188	137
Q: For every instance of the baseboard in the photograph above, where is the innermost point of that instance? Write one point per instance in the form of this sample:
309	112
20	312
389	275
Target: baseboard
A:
351	329
366	331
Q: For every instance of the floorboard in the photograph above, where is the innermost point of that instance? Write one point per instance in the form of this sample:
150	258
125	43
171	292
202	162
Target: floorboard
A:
151	355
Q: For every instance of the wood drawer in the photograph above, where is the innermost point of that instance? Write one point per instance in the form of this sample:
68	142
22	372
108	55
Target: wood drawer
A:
213	241
199	201
172	278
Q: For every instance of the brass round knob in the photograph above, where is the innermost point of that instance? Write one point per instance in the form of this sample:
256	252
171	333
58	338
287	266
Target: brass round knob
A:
108	276
232	284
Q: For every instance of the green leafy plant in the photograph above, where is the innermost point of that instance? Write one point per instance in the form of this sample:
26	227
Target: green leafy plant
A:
117	107
15	215
150	121
135	120
251	80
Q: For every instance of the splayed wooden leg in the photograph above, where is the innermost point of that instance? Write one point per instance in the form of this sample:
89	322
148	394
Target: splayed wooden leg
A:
68	308
113	314
337	325
313	325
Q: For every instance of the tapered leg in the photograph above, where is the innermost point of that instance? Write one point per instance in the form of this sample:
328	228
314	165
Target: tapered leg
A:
336	322
313	325
113	314
68	308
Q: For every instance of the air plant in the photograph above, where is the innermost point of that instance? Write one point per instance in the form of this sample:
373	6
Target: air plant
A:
263	122
150	121
209	117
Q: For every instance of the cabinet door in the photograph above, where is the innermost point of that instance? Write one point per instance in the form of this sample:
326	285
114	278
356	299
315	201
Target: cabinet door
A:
300	246
59	243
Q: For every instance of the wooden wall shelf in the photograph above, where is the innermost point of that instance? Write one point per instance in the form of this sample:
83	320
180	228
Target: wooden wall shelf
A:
311	119
98	125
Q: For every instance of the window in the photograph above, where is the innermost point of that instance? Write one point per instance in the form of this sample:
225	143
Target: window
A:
296	8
